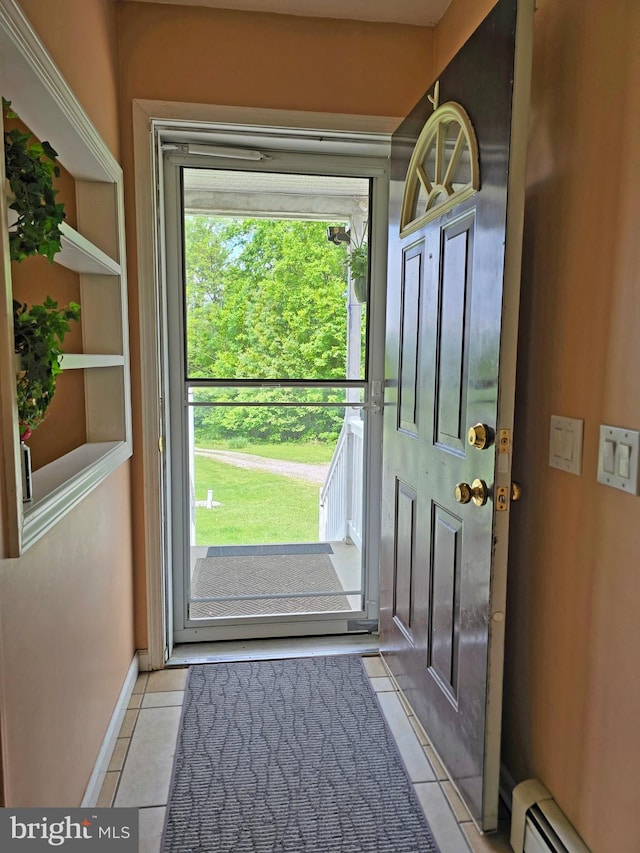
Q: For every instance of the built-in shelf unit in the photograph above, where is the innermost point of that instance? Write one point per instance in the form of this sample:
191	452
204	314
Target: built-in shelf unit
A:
95	250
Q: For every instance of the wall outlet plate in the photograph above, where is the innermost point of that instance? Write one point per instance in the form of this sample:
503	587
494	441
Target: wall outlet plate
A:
565	444
619	458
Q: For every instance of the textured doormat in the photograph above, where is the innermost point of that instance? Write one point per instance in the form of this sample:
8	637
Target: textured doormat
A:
292	756
266	576
267	550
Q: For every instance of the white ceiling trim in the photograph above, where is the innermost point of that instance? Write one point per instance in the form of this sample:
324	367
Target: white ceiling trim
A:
423	13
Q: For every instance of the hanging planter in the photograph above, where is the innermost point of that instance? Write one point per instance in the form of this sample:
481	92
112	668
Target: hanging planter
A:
27	480
359	270
360	288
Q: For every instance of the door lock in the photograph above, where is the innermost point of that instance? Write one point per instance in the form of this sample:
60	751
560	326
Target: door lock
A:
481	436
476	492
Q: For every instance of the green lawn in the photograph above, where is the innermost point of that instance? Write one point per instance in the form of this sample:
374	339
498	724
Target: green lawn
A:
314	452
257	507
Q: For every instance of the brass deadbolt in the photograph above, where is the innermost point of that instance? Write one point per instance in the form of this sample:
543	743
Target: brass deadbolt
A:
476	492
463	493
481	436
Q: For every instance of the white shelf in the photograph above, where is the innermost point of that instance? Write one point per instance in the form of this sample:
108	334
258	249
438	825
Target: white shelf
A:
30	79
81	361
63	483
82	256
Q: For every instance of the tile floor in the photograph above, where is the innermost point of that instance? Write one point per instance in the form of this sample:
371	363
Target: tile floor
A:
140	769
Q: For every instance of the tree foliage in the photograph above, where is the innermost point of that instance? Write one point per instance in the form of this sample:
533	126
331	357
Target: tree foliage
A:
265	300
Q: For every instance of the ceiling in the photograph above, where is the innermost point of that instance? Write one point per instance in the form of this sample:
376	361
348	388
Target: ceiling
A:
417	12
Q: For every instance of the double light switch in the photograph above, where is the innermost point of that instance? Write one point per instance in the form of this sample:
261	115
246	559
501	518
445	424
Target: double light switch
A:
565	444
618	458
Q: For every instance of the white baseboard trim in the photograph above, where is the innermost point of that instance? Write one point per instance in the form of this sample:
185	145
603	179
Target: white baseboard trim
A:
143	660
96	779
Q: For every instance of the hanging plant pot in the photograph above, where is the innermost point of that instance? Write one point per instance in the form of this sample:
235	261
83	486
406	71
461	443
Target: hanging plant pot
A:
360	288
27	482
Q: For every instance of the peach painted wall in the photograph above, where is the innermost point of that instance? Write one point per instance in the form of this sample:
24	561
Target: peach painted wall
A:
66	641
198	55
66	606
81	37
572	692
454	28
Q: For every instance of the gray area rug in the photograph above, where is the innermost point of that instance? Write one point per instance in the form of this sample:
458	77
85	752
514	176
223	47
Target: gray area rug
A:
292	756
265	576
267	550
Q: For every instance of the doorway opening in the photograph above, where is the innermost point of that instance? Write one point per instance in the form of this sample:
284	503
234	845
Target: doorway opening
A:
269	400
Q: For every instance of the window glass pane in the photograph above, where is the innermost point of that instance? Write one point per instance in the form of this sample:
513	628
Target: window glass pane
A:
276	509
266	292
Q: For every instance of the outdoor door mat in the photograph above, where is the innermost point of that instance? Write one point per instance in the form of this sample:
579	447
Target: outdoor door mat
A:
292	756
269	550
256	580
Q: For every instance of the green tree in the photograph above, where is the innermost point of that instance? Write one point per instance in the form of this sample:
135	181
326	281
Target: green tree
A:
265	299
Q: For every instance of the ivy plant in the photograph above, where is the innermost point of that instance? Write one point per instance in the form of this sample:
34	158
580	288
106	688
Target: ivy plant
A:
30	168
39	333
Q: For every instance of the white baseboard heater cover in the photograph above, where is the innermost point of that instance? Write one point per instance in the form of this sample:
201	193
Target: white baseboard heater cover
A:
538	825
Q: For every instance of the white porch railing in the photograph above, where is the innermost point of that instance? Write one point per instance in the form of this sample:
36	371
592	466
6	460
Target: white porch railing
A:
341	495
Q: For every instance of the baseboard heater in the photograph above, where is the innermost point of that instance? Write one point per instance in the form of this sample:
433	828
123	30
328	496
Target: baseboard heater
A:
538	825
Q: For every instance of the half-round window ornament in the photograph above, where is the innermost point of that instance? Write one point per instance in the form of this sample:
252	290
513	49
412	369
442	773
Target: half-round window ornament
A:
444	168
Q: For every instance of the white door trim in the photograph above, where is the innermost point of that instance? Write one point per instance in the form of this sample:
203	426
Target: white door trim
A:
147	115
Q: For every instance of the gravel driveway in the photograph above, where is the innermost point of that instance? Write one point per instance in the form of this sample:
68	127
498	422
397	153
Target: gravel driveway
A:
296	470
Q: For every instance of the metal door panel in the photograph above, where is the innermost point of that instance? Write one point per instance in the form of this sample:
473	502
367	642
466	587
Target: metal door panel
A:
446	335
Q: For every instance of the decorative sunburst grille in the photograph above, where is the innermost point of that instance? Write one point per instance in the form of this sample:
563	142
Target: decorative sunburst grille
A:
444	168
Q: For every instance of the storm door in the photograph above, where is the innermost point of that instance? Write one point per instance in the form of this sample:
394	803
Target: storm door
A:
270	400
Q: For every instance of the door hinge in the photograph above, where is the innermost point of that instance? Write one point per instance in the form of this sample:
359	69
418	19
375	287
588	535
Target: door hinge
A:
160	444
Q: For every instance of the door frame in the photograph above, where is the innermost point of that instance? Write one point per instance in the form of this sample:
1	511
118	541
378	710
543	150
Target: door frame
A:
154	121
375	171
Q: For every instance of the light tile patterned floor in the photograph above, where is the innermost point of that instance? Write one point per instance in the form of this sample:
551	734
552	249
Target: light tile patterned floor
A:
140	769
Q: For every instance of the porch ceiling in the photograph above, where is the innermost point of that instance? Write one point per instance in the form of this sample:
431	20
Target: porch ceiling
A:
261	194
423	13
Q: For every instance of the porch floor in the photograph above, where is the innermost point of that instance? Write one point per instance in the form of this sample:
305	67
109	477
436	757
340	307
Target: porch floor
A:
274	579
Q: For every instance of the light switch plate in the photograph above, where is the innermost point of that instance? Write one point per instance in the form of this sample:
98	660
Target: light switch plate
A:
624	445
565	444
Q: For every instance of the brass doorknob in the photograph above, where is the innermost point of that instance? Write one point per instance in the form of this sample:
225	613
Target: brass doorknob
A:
481	436
476	492
516	491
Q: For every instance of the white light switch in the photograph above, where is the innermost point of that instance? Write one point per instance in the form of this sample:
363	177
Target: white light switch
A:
608	462
565	444
621	471
557	442
624	458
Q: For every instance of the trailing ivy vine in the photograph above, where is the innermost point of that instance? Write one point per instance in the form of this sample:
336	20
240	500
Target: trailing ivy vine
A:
39	330
39	333
30	168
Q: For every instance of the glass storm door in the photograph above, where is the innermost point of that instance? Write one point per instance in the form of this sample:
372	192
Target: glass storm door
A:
269	394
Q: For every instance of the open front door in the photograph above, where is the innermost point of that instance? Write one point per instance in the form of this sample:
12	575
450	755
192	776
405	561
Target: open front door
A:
453	280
